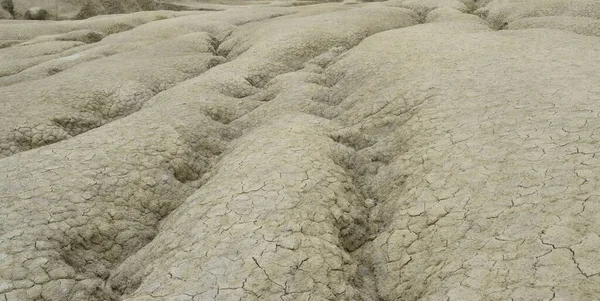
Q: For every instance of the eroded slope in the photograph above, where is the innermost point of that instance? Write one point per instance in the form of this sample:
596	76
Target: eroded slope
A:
329	152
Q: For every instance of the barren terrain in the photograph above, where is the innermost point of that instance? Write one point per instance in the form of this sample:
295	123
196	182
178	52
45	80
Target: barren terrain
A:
401	150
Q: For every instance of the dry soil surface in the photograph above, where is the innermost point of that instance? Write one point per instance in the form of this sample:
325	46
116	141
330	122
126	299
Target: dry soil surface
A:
402	150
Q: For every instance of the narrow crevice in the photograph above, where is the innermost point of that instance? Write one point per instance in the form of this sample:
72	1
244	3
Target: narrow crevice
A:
219	50
92	270
257	81
354	234
366	282
214	43
363	165
220	115
185	171
54	70
351	138
359	228
178	7
76	125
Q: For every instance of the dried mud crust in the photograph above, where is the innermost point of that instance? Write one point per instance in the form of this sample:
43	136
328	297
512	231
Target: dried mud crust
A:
90	85
400	150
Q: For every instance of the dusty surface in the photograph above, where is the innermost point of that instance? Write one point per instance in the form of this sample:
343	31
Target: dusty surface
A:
400	150
82	9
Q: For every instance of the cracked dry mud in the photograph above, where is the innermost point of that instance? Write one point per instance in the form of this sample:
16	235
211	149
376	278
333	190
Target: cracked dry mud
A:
401	150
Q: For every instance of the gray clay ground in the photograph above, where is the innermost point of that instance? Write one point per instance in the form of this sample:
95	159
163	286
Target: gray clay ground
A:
401	150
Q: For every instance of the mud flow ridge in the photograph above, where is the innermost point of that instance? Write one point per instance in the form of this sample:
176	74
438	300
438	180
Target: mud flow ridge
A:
83	86
125	183
399	150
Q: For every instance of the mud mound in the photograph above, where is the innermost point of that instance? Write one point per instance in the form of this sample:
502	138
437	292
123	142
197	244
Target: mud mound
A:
402	150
